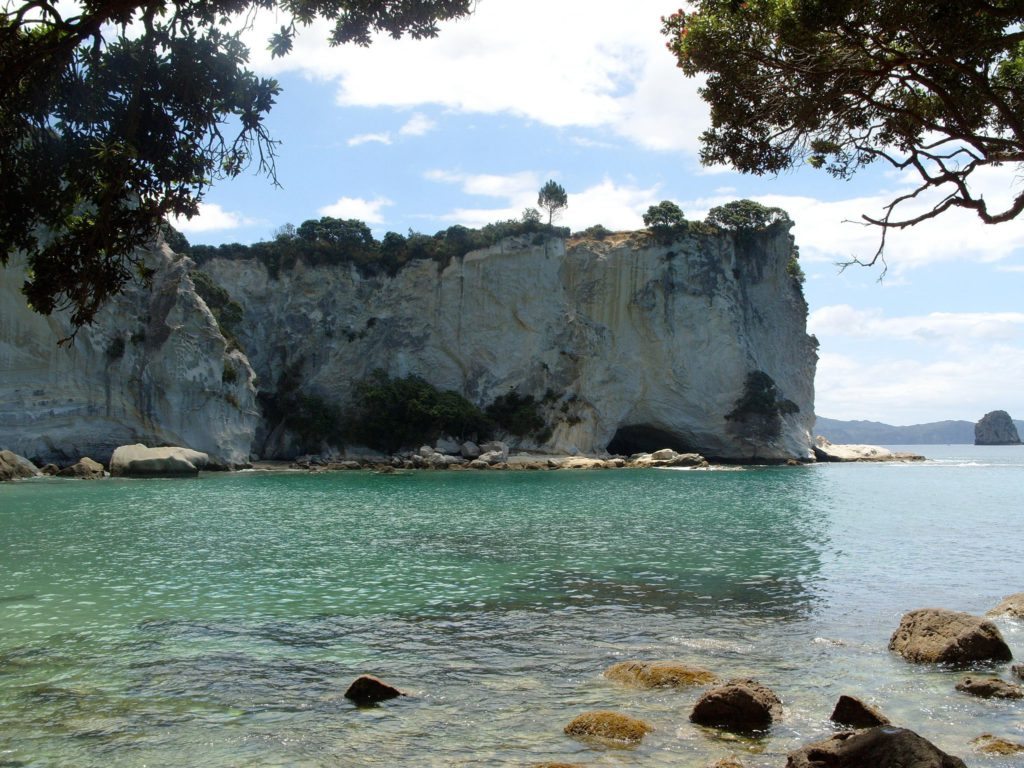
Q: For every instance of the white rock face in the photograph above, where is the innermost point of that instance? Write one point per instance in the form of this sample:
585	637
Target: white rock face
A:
151	370
138	459
628	338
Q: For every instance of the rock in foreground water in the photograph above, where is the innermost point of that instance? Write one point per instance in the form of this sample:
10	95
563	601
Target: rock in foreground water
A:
993	745
854	713
608	726
990	688
367	689
938	636
742	706
881	747
657	674
1011	606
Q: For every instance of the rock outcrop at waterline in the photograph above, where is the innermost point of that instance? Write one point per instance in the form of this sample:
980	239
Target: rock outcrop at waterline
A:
154	368
996	428
642	344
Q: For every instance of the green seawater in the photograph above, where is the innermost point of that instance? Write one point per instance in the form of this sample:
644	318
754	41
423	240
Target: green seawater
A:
218	621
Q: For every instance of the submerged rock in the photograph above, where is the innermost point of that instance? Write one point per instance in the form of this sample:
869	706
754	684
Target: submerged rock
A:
84	469
657	674
880	747
368	689
988	744
742	706
15	467
990	688
1017	670
1011	606
996	428
936	636
608	726
854	713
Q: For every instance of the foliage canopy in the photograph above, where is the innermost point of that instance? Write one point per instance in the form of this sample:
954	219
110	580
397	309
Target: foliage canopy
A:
118	114
552	198
933	88
665	220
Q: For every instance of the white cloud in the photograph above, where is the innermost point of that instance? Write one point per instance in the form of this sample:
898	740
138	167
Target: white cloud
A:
951	329
211	217
833	232
370	138
514	187
562	64
417	125
368	211
905	391
915	369
613	205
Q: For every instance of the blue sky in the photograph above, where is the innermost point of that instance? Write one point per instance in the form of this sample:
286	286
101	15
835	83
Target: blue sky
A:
465	128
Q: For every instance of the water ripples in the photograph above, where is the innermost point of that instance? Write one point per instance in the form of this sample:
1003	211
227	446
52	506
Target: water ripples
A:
222	619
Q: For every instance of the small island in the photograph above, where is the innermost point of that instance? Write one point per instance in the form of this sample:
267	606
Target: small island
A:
996	428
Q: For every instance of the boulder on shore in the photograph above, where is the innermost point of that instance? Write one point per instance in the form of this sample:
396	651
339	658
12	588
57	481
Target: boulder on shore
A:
608	726
827	451
996	428
666	457
170	461
742	706
990	688
854	713
938	636
880	747
1011	606
368	689
15	467
84	469
658	674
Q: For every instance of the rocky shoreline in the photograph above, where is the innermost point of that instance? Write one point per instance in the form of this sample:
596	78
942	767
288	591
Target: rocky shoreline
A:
170	461
743	709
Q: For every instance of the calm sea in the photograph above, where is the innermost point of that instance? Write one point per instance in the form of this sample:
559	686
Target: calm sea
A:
218	621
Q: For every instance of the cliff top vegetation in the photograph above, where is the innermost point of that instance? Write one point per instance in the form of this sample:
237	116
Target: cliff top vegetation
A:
330	241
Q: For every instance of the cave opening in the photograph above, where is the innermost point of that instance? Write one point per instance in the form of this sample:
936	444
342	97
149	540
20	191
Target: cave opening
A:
643	438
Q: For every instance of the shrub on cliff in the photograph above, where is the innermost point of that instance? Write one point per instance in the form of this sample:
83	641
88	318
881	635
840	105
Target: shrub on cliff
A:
517	414
757	413
746	216
665	221
389	414
227	312
342	242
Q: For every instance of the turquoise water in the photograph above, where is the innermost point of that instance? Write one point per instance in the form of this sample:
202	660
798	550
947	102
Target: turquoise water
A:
218	621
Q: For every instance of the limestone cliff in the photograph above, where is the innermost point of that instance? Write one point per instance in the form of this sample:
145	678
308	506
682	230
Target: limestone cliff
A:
154	368
637	344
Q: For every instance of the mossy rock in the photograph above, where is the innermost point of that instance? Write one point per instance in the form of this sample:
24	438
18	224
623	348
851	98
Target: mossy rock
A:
608	727
988	744
659	674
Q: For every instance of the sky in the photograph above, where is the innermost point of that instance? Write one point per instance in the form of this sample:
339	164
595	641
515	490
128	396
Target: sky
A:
465	128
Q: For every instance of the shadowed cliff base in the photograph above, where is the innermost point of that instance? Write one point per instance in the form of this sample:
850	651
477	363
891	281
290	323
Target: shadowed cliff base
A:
643	438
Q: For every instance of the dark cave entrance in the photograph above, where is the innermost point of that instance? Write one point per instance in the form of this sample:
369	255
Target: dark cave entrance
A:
643	438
